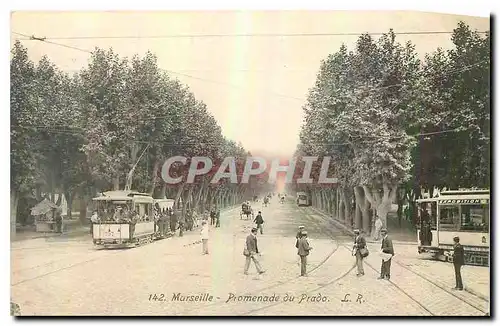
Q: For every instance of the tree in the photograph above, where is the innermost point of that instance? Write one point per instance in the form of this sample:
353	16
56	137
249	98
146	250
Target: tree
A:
23	137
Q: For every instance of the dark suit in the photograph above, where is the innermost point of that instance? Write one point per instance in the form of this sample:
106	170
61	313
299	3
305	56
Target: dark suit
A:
303	252
458	261
259	221
359	243
251	246
385	269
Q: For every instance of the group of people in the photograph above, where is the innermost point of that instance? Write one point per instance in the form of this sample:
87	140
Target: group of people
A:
360	250
251	251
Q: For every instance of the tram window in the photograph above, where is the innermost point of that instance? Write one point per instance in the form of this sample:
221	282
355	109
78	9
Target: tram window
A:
449	218
475	218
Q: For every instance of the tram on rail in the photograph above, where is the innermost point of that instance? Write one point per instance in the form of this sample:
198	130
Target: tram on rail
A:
462	213
125	219
303	199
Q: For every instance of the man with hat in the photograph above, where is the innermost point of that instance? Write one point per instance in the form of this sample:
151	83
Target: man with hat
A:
458	261
259	221
387	248
303	252
359	244
251	251
297	237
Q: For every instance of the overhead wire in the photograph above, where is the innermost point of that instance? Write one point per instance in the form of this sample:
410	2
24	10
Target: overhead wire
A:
462	69
126	37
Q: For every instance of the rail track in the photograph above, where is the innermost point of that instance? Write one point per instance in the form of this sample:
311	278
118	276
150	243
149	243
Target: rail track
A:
331	236
443	293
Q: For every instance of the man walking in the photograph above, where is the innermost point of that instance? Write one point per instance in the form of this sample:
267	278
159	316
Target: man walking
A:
251	251
204	237
217	218
297	237
173	221
458	261
359	246
259	221
212	216
303	252
387	248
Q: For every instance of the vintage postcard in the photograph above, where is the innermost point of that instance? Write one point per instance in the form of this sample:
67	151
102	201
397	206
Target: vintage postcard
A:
250	163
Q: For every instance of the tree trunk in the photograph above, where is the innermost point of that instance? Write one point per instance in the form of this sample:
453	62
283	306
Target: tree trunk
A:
381	201
347	207
116	183
14	201
83	208
363	205
154	179
69	200
178	195
59	199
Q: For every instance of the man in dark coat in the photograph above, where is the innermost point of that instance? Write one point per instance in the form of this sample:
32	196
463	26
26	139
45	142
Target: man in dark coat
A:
387	248
217	218
303	252
259	221
458	261
252	250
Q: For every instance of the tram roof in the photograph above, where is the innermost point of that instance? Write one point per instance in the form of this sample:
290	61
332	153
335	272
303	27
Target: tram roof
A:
123	195
458	195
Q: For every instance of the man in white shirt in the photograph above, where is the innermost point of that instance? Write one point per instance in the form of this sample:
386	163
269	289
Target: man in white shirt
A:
204	237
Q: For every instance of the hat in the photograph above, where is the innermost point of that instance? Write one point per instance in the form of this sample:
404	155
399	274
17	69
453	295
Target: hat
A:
356	231
301	227
383	230
456	238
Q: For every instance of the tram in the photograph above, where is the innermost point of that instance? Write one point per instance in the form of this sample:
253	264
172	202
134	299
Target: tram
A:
303	199
125	219
462	213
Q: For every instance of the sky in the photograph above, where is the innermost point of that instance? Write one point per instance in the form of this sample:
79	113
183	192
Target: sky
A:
255	86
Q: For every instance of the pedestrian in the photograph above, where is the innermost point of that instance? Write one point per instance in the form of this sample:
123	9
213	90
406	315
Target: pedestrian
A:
259	221
303	252
217	217
204	237
59	221
94	219
387	248
212	216
378	227
458	261
360	251
297	237
182	224
173	221
251	251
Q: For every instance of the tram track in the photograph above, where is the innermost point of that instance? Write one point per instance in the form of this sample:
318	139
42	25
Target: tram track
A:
288	281
97	251
474	307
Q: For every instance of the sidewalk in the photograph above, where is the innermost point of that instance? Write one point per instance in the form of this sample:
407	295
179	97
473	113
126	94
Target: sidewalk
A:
338	224
71	227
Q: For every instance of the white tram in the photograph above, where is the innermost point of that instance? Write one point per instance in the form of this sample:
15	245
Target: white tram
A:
462	213
303	199
125	219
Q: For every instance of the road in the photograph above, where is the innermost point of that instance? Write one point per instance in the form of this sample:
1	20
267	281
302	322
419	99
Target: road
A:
67	276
